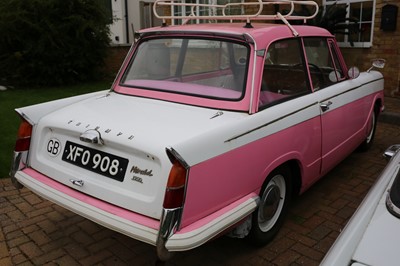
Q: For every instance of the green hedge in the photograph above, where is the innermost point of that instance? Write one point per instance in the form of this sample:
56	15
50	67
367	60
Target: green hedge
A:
52	42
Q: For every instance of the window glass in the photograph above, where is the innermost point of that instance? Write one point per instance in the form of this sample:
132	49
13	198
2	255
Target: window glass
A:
323	62
363	12
284	75
201	67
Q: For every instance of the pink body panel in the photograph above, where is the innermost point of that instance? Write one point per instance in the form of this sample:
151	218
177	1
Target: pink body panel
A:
102	205
339	141
244	169
215	215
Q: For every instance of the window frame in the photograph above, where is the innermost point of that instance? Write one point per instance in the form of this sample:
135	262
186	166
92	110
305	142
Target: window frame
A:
355	44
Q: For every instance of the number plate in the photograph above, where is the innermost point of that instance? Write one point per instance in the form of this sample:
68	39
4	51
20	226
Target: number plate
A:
96	161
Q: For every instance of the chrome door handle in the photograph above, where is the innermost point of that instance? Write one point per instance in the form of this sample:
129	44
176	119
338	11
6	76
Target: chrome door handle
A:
325	106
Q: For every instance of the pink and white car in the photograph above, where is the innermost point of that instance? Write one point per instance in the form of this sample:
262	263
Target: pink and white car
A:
208	128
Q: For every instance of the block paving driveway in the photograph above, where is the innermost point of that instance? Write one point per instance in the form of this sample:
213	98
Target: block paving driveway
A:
36	232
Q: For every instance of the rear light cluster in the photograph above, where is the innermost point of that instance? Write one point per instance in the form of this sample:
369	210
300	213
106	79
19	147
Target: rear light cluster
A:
175	191
24	136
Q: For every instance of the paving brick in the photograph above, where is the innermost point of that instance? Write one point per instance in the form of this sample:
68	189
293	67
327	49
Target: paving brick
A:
302	239
89	226
47	226
39	237
5	261
68	260
82	238
17	241
97	258
76	251
3	250
30	249
287	257
2	238
20	259
38	212
30	228
320	232
33	199
308	252
49	257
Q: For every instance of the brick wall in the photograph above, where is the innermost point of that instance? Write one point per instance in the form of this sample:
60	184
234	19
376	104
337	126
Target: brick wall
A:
116	56
385	45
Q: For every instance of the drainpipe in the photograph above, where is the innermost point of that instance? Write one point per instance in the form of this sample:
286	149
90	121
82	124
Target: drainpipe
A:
126	21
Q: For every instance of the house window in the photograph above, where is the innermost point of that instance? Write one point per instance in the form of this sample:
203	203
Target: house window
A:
363	11
204	11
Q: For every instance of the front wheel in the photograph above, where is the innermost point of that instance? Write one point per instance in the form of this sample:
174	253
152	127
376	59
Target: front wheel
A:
367	143
275	196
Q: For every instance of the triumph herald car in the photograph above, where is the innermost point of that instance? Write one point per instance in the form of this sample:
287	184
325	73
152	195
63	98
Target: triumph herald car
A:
371	236
207	129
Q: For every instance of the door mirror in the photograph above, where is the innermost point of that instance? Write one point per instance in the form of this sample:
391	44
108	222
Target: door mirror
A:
354	72
377	63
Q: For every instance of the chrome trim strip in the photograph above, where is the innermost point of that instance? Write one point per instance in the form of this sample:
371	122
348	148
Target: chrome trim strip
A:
171	218
352	89
269	123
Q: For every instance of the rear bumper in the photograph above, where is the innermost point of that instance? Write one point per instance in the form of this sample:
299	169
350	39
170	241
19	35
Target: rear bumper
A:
135	225
118	219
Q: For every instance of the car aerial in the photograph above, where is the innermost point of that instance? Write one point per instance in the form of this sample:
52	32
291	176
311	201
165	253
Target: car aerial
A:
207	129
371	235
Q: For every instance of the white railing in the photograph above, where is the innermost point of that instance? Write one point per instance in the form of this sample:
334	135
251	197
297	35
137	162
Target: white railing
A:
221	12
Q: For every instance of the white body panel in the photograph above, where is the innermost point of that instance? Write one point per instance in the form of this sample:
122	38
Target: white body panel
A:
140	132
371	236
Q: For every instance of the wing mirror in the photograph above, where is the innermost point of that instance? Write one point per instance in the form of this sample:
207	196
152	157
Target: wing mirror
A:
377	63
354	72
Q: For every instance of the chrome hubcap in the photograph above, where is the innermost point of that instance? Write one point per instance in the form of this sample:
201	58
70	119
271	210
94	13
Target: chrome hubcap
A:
371	133
271	203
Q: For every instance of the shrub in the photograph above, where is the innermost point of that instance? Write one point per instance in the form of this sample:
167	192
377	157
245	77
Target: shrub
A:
51	42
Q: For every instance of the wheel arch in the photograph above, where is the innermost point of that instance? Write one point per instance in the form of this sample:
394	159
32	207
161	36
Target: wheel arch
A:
294	165
295	169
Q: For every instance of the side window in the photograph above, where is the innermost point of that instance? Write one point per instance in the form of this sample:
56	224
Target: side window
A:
284	75
323	62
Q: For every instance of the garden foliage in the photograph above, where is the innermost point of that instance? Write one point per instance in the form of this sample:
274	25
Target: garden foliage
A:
51	42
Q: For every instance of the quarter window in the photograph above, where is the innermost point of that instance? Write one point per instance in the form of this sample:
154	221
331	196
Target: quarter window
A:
284	75
364	12
323	62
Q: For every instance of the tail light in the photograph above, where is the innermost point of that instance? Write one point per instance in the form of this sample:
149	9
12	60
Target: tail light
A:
24	136
175	191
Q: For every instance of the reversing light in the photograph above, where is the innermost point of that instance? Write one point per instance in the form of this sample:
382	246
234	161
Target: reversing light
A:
175	190
23	137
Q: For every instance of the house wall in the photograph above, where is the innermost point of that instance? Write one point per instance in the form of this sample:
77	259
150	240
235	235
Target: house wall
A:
127	20
385	45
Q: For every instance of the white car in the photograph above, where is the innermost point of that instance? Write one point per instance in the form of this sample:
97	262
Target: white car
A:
207	127
372	235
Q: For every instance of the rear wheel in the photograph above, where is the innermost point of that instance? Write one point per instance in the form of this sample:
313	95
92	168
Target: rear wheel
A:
274	200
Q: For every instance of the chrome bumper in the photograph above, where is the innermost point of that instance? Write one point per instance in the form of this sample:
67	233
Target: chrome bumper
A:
168	225
18	163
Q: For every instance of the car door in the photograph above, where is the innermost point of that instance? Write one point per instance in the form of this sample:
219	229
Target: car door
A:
287	102
343	112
